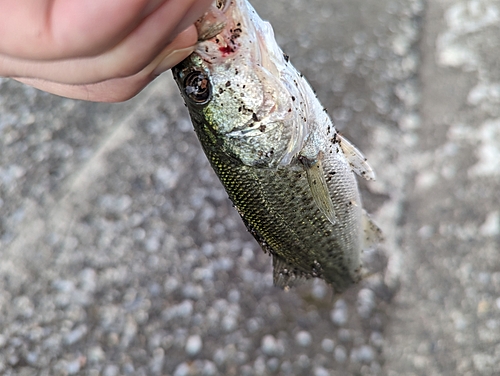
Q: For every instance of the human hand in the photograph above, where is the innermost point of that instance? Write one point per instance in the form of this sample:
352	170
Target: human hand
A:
96	50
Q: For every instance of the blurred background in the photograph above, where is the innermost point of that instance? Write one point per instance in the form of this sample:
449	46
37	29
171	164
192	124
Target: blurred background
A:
121	254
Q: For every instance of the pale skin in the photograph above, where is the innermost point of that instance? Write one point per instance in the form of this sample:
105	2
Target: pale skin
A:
96	50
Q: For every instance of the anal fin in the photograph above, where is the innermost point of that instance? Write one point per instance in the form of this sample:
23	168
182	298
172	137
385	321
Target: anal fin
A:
356	159
372	234
319	188
284	276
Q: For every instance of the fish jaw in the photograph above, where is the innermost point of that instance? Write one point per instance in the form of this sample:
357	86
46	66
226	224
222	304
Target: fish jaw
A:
233	29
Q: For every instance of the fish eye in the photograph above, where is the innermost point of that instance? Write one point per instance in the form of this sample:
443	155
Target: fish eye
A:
198	87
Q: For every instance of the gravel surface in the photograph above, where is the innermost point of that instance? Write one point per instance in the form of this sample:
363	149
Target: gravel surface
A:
121	254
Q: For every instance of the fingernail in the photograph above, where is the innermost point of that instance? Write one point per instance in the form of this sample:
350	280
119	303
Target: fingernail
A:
173	58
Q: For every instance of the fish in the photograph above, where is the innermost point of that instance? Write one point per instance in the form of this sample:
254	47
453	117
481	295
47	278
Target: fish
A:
288	172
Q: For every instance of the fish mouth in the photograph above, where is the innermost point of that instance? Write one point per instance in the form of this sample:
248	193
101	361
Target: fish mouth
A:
213	21
228	27
231	32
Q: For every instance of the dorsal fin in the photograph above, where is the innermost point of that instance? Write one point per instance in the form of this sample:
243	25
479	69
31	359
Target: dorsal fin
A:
372	234
357	160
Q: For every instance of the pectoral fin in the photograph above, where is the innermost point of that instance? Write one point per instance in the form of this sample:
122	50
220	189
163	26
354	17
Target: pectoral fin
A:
357	160
372	233
319	188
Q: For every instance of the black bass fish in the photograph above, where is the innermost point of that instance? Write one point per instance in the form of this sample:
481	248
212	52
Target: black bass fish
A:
287	171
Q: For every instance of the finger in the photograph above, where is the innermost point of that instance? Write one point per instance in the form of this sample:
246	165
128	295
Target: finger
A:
56	29
116	90
126	59
197	9
62	29
121	89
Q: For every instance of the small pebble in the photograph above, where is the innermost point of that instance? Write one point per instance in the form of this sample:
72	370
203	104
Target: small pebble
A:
88	279
182	370
269	345
192	291
233	296
273	364
32	357
157	362
152	244
229	323
377	340
344	335
327	345
303	338
193	345
340	354
303	361
111	370
319	290
339	314
366	302
259	366
364	354
320	371
209	369
75	335
96	354
219	357
73	367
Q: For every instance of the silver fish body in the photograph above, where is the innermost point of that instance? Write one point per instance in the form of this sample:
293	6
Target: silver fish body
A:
285	168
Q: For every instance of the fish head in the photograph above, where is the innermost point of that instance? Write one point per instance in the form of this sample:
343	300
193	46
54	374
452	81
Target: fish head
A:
238	83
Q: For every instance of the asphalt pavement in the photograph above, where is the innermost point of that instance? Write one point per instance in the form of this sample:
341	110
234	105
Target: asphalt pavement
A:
120	253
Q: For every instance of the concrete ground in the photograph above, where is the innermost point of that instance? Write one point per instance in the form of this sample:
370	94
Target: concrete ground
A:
121	254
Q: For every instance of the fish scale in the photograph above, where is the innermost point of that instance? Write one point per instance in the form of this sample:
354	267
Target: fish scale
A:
297	238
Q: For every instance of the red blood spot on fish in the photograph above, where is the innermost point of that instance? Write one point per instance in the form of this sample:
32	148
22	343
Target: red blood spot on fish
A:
226	50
